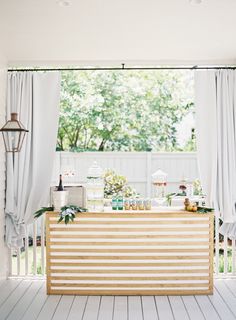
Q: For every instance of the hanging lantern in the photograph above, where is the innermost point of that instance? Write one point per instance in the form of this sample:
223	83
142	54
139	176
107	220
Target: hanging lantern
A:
13	134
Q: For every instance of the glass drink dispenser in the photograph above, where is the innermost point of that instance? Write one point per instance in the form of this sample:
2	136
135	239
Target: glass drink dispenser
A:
95	189
159	180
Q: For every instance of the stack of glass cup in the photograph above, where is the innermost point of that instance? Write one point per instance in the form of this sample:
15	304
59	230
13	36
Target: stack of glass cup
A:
95	189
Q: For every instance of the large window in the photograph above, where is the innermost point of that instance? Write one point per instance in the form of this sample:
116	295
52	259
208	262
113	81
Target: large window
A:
127	111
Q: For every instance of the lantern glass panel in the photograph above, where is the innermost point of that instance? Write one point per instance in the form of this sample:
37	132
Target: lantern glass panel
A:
13	140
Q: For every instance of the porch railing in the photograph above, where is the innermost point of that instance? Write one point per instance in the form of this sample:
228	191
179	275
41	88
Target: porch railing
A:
30	260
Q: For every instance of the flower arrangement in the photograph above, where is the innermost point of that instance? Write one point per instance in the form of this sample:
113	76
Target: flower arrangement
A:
66	214
183	189
116	184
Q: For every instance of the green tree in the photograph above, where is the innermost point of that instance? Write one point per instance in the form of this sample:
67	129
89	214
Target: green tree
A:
123	110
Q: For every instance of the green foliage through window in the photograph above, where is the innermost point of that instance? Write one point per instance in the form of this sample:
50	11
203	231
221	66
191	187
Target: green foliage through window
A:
124	110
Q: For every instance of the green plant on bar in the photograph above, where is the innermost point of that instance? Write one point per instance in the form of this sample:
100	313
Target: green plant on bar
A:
204	210
41	211
66	214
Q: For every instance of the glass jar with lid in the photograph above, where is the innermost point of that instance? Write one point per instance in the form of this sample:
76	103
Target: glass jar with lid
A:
159	180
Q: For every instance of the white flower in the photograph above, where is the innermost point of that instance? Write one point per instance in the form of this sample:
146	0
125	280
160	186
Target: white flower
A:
67	212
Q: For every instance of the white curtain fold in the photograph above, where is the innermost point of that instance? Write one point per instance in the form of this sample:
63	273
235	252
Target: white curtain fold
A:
35	96
215	100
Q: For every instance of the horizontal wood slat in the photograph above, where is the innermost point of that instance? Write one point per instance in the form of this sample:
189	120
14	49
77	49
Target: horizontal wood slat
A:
133	236
143	271
134	215
138	244
143	253
117	222
137	250
125	264
130	285
133	292
56	257
137	236
135	230
129	278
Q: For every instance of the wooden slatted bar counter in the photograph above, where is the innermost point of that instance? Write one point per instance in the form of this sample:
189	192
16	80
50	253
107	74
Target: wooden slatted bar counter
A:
130	253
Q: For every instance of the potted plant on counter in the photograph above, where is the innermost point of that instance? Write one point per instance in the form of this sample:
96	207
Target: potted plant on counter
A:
116	184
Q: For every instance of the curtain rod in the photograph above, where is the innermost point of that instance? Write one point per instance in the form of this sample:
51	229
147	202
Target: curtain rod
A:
123	67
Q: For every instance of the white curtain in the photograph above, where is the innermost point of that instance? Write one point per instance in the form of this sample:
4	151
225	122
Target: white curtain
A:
215	99
35	96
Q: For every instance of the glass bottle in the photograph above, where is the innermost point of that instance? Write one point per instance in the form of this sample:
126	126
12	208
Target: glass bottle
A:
60	186
114	203
120	203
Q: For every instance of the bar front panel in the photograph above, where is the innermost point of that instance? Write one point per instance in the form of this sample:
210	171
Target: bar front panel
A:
130	254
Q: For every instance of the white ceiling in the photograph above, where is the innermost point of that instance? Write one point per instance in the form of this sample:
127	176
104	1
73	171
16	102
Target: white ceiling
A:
104	31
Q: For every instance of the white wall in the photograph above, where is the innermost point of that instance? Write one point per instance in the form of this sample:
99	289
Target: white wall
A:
3	250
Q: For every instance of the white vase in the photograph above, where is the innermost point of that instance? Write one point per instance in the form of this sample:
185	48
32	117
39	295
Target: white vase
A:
60	199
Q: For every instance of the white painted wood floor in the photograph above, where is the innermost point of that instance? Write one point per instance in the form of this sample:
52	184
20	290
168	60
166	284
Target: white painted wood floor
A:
27	300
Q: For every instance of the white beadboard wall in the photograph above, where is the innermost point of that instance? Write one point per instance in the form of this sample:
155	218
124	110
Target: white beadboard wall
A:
3	249
136	166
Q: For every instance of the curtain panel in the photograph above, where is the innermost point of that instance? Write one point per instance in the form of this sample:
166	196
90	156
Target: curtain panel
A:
215	100
35	96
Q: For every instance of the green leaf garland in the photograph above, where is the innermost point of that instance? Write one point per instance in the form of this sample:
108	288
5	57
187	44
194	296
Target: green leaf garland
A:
66	214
